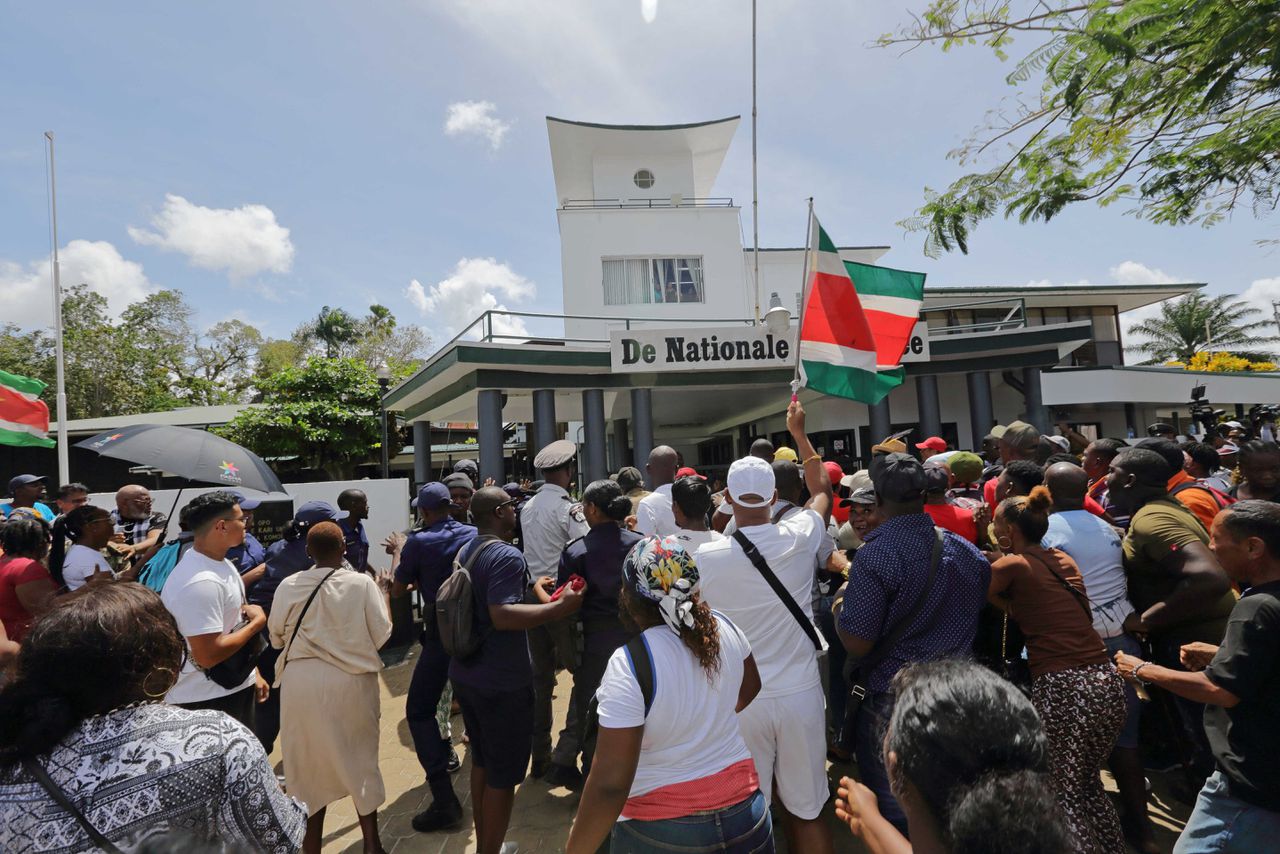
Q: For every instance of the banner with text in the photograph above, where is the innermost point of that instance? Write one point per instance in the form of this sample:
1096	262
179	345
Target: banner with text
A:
720	349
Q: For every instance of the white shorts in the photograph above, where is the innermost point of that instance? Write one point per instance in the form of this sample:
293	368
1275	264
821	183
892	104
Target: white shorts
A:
787	737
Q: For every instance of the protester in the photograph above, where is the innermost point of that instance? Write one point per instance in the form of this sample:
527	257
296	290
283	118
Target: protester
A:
549	522
597	558
84	723
71	496
1074	686
461	487
762	448
426	560
864	517
1179	592
1181	486
632	483
285	557
251	553
674	774
1017	441
1259	464
136	526
1160	430
931	447
653	514
356	505
914	594
969	761
785	727
1238	810
206	597
25	490
1228	459
328	622
26	589
471	469
691	504
495	686
1201	464
966	472
89	529
1096	549
946	515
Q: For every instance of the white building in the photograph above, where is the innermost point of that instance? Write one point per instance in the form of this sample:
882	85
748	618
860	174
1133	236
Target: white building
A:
651	257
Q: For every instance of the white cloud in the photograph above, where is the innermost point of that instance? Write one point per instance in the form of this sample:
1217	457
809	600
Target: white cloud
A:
1260	294
474	286
243	241
649	10
1134	273
28	300
476	118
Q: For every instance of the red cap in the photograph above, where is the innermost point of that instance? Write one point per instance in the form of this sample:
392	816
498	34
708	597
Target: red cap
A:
933	443
834	473
688	471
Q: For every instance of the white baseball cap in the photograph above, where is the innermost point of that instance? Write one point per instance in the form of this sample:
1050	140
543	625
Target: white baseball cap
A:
751	476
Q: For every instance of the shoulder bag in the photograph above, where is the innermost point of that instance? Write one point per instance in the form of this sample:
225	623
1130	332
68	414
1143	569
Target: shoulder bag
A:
284	656
762	566
234	669
60	798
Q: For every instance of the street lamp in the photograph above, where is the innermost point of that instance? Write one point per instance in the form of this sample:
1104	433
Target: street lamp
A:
383	373
777	319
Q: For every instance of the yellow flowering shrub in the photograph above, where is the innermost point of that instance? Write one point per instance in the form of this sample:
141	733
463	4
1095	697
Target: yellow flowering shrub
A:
1221	363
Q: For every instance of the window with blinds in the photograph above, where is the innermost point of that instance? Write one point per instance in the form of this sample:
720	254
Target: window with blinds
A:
645	281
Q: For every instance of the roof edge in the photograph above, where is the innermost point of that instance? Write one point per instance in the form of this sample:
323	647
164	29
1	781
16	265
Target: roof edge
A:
644	127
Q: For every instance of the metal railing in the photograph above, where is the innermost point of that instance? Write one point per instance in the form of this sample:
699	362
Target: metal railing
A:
664	202
482	328
1014	318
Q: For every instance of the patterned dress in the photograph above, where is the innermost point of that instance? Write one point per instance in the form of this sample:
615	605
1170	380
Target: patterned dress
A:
152	773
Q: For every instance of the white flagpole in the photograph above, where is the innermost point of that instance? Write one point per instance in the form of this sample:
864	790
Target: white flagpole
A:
755	188
804	298
64	466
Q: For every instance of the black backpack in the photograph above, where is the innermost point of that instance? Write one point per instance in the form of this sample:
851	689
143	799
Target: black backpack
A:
642	666
455	608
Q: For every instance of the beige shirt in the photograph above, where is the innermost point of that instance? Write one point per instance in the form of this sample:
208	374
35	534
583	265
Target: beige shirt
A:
345	625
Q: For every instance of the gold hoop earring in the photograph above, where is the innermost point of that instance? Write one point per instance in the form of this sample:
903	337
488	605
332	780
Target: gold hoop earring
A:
173	681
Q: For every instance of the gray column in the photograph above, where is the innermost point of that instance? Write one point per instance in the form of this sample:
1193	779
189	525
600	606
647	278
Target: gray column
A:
421	452
1037	412
489	416
927	405
592	457
981	413
1131	422
881	422
744	440
619	449
544	418
641	427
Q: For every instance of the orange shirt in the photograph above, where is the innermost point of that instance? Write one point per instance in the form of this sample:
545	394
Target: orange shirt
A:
1198	501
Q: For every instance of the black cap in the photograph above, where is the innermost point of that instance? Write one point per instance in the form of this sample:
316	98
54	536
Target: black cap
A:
865	495
898	477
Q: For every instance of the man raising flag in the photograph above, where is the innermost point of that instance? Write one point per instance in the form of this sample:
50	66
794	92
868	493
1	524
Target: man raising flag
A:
24	417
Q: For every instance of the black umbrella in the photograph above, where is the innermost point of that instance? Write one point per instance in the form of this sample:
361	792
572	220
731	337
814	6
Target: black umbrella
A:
193	454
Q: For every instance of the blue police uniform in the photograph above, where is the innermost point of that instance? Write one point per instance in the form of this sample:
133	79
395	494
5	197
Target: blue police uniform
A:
246	556
283	558
426	560
357	552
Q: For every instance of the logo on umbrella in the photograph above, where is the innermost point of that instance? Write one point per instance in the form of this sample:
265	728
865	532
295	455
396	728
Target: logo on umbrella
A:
230	473
106	439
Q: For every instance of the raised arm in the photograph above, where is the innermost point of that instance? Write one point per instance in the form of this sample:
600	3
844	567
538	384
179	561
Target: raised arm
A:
815	473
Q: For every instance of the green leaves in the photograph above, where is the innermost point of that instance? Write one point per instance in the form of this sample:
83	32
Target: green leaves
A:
1197	323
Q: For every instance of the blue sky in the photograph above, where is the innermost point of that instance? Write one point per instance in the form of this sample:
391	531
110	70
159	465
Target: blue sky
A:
269	158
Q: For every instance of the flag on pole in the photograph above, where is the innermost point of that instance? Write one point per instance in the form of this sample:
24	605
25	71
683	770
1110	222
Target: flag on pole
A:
891	300
24	417
840	353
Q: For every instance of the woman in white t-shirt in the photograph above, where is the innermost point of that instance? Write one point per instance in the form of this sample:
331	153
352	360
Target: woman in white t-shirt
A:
678	773
89	529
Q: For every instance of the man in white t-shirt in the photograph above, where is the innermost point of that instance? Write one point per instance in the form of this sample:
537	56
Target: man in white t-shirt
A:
653	514
206	597
785	727
690	503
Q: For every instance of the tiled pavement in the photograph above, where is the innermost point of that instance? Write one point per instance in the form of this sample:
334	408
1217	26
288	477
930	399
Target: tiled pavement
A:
541	818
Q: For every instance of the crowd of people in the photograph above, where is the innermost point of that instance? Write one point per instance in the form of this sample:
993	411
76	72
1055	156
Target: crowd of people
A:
978	633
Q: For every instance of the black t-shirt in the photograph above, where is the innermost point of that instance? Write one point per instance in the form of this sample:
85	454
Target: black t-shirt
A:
1246	739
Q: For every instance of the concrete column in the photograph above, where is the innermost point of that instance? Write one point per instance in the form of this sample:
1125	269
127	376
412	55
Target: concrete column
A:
592	457
1037	412
927	405
489	416
641	427
744	440
881	422
544	418
421	452
1131	422
981	414
619	448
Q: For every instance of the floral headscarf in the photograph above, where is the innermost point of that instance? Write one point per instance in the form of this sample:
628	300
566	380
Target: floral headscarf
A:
662	571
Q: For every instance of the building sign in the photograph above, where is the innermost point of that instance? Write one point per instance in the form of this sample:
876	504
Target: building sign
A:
720	349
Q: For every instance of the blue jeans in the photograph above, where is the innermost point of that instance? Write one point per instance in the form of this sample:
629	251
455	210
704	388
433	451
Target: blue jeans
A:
1221	824
868	738
744	828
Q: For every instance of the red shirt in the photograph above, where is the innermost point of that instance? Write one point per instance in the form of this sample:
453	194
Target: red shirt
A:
14	572
955	519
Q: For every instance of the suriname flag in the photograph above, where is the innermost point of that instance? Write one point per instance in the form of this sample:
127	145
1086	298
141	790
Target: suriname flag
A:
856	324
24	417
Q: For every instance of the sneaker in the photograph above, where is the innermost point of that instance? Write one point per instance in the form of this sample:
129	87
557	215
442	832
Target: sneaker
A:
563	775
454	762
439	816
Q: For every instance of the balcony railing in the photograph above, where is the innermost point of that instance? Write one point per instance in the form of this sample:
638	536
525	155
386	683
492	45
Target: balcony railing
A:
1009	313
664	202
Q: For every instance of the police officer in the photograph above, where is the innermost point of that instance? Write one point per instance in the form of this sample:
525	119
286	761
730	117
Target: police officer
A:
426	560
356	505
548	523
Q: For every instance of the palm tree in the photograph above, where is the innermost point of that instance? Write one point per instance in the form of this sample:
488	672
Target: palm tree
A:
336	327
1198	323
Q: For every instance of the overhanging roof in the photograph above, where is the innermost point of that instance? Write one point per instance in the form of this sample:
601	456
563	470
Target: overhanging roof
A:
190	416
1123	297
574	145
